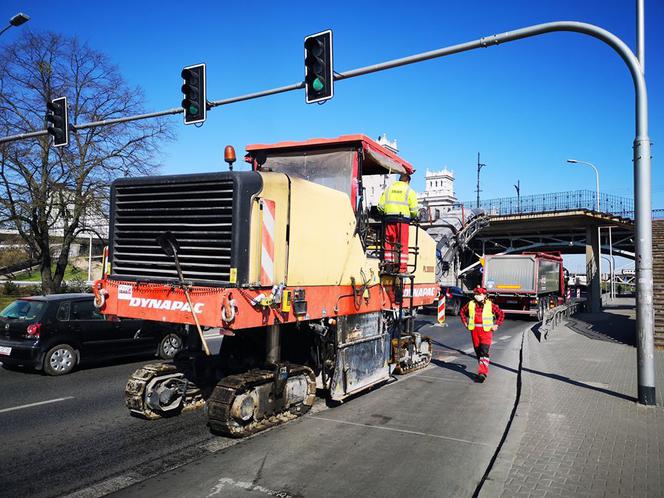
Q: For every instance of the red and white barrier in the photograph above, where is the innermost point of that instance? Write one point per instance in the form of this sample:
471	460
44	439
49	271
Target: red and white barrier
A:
441	310
267	243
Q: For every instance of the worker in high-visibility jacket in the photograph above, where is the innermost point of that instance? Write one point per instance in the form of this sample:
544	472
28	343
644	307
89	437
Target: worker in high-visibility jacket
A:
398	204
482	317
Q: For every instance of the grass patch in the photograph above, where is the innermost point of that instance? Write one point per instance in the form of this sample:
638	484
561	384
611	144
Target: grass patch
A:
71	273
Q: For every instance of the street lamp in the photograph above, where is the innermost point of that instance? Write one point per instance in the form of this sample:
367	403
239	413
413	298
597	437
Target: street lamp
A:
479	168
599	232
611	276
16	20
517	187
575	161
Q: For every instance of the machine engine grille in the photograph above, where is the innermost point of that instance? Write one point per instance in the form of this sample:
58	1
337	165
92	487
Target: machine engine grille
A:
199	214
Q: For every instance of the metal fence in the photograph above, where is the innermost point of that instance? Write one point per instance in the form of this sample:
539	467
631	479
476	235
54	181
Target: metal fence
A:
558	201
554	317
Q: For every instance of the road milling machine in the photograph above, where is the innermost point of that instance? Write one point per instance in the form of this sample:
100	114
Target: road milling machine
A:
279	276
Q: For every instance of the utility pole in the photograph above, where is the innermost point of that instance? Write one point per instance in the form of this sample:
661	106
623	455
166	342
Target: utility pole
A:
518	194
640	35
479	168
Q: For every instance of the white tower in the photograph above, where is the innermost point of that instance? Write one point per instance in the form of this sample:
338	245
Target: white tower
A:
439	193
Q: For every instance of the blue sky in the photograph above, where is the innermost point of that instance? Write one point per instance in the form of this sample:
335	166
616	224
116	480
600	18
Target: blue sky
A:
526	106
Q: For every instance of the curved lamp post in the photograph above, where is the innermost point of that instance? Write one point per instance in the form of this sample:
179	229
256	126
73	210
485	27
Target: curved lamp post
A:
16	20
576	161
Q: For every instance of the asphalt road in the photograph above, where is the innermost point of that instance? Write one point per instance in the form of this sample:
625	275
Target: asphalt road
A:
430	432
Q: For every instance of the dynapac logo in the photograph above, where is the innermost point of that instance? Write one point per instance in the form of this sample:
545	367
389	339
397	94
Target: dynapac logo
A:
164	304
421	292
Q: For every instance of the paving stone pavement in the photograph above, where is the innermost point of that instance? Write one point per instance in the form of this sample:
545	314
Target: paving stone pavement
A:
578	430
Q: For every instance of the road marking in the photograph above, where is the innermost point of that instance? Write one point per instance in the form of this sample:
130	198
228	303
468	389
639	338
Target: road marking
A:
504	337
405	431
248	486
447	358
469	350
35	404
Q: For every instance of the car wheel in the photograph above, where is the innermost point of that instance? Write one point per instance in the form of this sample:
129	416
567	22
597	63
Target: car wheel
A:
540	312
456	308
170	345
60	360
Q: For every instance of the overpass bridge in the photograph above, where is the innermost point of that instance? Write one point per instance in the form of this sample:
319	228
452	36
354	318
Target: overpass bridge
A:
563	221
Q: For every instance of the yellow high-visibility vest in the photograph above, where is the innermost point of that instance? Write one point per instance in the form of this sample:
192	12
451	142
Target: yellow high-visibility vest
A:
399	199
487	315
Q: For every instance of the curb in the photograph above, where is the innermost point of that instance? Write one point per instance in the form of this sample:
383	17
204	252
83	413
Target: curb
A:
495	481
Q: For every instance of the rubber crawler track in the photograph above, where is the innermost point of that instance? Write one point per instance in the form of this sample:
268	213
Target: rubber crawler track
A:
135	390
403	368
219	404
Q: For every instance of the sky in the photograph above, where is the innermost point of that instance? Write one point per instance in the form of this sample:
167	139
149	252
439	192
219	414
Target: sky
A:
526	106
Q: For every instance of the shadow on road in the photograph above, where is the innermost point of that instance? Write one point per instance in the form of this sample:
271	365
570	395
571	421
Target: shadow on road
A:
576	383
567	380
471	355
611	327
561	378
454	367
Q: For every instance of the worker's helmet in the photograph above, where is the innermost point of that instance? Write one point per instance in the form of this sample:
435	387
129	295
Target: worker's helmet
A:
479	290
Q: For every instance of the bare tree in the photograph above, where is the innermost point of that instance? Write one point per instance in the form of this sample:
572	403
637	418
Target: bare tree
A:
49	195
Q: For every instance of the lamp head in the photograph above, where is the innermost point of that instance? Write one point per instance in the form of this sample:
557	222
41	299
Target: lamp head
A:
573	161
19	19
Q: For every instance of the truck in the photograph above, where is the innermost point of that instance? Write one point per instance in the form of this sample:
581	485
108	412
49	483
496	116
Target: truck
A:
279	276
525	284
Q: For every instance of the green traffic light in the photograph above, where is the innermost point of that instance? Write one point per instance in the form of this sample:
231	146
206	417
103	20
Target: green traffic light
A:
317	85
193	109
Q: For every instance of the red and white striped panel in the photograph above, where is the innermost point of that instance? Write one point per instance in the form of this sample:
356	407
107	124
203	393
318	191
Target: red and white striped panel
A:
441	309
267	243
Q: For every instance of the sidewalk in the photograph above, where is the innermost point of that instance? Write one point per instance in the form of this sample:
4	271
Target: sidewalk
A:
578	430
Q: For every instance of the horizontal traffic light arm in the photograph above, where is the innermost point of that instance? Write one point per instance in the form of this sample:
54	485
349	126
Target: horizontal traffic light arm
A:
493	40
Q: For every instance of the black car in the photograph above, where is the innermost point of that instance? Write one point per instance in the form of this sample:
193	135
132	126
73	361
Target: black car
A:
54	333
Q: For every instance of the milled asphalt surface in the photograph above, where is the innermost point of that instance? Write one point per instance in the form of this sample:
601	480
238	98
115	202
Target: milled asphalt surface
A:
430	432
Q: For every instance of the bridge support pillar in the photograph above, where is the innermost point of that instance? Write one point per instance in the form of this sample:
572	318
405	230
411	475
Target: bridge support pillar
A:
592	269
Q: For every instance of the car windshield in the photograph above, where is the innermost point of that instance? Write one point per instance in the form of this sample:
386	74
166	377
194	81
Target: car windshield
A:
23	309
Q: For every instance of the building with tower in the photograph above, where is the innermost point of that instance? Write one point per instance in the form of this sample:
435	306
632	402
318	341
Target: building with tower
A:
438	196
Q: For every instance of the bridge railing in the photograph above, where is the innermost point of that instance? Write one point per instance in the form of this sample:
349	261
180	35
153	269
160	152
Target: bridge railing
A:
557	202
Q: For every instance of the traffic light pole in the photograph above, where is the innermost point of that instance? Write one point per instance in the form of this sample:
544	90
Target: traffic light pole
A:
642	164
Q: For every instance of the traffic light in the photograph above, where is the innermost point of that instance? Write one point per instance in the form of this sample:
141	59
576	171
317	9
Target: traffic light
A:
318	73
58	121
193	88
